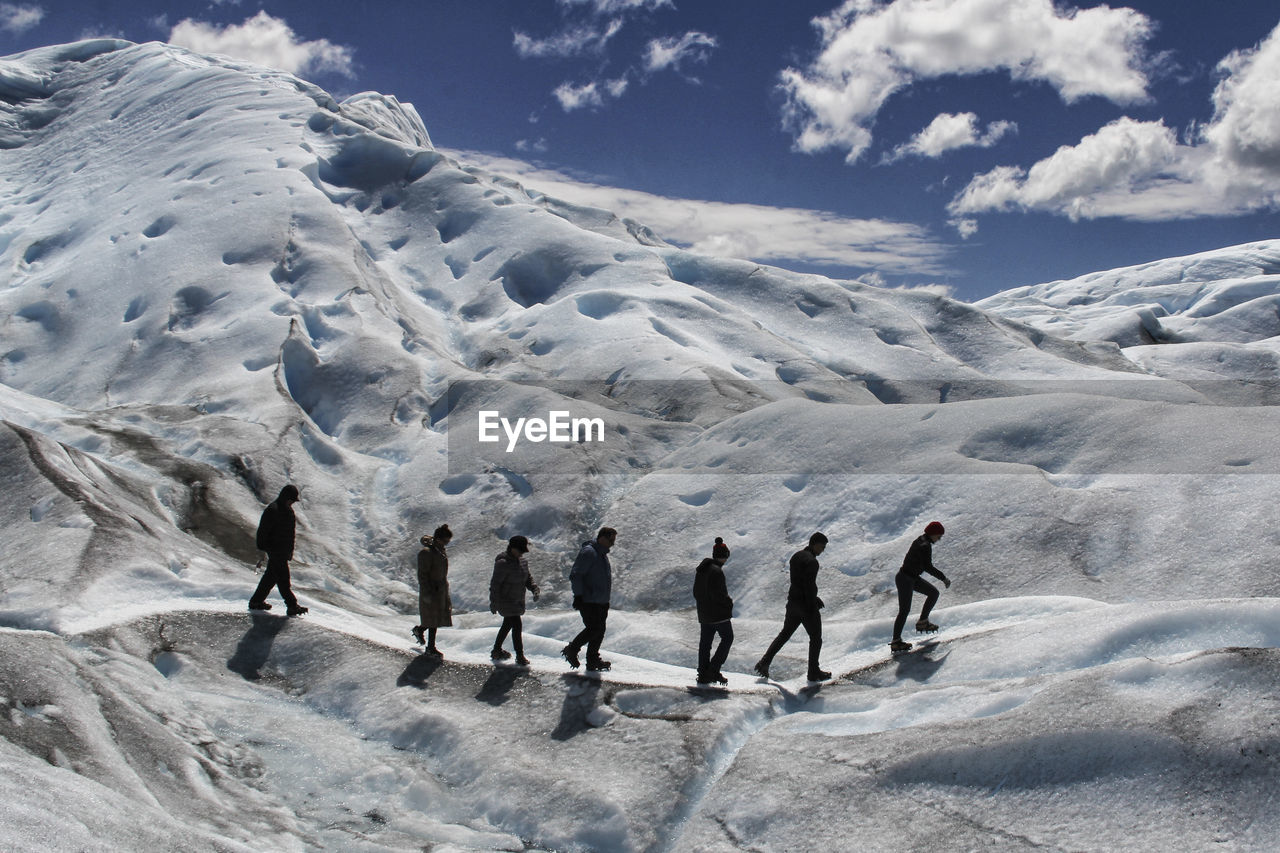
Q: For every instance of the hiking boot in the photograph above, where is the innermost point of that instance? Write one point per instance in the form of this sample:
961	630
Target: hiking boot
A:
499	654
705	678
899	646
419	635
259	605
296	610
599	665
570	654
762	669
924	626
434	652
818	675
521	660
717	677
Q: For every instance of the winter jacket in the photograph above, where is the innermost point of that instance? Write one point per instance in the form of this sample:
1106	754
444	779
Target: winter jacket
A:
591	576
711	593
435	608
510	579
803	595
919	559
276	529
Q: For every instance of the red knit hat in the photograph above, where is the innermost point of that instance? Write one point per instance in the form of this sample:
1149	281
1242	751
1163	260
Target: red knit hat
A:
934	527
720	549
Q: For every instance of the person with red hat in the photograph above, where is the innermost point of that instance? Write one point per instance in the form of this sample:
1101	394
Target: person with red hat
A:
919	560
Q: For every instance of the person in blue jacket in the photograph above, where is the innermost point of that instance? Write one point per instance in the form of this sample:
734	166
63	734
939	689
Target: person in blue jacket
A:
592	581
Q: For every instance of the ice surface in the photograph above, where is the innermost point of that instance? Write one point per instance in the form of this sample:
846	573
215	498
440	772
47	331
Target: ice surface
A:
220	279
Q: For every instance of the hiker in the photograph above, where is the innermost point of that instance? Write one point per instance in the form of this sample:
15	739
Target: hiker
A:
276	535
506	597
592	580
803	605
919	560
435	608
715	614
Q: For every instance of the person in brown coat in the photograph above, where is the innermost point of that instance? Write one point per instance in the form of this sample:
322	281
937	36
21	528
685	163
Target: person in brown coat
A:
435	608
506	597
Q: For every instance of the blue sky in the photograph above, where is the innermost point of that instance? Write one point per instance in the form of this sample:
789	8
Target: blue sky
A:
971	144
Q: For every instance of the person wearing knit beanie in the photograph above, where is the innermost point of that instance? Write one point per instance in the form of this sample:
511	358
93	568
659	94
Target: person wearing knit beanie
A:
715	614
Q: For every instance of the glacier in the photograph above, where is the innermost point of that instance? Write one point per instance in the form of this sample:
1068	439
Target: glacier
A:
219	278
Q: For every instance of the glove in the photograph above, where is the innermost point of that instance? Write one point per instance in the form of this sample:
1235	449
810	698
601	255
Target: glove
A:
536	592
577	602
946	582
820	604
492	609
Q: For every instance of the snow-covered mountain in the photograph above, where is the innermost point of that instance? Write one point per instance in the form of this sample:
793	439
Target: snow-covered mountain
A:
219	279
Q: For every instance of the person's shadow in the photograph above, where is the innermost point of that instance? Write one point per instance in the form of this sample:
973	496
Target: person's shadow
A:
499	684
579	701
255	646
918	664
418	671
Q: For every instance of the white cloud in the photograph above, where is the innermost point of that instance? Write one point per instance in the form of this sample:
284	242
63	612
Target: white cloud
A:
871	49
948	132
585	39
765	234
615	7
18	19
589	95
1140	170
669	52
264	40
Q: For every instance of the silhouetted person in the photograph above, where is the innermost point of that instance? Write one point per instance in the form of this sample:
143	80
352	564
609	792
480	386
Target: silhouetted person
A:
276	534
435	607
592	581
919	560
803	605
506	596
715	614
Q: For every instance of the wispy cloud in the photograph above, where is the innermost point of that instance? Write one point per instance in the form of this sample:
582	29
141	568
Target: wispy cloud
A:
1141	170
870	50
576	41
589	95
18	19
948	132
586	29
265	40
616	7
774	235
670	52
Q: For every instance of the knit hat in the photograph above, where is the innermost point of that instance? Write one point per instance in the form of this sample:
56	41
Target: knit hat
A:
288	493
720	551
518	543
934	527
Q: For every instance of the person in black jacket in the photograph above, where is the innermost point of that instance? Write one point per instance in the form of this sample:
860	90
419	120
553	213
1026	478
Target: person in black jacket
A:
803	605
715	614
919	560
506	597
275	535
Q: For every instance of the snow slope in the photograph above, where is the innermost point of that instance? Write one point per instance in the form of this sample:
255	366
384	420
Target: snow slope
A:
218	279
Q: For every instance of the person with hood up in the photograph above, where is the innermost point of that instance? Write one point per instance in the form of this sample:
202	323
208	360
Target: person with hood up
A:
592	580
506	597
919	560
435	607
715	614
276	535
803	606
